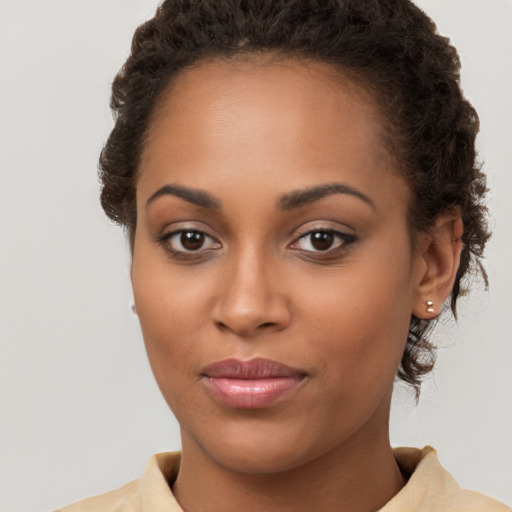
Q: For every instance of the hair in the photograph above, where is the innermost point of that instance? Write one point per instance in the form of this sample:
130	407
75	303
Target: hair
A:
389	47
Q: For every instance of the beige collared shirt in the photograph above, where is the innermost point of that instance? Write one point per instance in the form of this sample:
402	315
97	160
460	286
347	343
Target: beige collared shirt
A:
430	488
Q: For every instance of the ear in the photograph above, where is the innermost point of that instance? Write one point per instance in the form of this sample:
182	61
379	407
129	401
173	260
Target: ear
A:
437	265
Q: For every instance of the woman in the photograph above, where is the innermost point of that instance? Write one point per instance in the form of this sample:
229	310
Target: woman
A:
300	190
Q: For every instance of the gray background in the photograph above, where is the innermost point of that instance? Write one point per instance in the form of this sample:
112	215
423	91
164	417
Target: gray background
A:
80	413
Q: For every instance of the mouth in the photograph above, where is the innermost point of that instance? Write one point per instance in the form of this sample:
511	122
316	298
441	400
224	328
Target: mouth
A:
252	384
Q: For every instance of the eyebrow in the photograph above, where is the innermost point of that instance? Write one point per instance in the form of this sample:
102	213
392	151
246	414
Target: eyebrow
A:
194	196
306	196
289	201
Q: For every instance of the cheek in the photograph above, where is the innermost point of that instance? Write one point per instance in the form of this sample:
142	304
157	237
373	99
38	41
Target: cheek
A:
172	312
170	330
359	318
169	299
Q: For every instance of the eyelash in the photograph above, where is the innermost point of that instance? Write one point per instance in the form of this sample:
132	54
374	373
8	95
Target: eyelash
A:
343	241
186	255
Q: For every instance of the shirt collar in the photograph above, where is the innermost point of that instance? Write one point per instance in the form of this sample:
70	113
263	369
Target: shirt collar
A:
161	471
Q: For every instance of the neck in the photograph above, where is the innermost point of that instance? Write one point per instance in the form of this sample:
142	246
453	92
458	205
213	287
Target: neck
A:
361	475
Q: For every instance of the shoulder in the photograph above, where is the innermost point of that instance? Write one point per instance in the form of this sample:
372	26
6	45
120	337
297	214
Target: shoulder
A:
149	494
430	488
125	499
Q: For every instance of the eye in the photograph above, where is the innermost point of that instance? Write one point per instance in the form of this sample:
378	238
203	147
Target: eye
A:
322	240
188	241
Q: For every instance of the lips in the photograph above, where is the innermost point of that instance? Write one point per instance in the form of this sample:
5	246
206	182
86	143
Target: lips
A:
252	384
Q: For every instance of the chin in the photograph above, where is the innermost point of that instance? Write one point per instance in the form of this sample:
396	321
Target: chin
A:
263	447
257	459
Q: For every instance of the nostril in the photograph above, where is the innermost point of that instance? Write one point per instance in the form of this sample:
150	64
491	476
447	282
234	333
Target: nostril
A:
222	326
244	330
249	312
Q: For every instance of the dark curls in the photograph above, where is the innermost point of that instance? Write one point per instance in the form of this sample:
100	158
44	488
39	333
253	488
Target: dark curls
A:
389	47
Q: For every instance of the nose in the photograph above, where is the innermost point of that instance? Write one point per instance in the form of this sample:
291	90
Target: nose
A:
249	301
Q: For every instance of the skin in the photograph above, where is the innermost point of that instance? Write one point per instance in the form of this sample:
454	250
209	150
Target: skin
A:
249	132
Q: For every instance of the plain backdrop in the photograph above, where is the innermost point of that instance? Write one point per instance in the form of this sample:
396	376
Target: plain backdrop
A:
80	413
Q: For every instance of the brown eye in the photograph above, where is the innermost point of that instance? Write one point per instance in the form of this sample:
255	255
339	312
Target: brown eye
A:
188	241
192	240
322	240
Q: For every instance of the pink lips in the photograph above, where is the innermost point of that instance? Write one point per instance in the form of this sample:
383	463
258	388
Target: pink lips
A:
252	384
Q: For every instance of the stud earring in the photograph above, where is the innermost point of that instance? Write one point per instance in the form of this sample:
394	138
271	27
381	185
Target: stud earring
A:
133	310
430	308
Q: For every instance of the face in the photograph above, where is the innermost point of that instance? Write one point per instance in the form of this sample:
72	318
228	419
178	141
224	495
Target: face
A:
272	270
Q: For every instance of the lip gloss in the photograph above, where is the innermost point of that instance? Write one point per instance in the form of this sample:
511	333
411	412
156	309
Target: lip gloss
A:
252	384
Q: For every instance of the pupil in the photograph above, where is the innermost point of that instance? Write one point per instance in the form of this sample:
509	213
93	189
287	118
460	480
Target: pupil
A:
192	240
322	240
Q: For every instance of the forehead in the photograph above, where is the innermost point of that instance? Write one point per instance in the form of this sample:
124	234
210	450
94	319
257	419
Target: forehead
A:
298	100
292	123
261	76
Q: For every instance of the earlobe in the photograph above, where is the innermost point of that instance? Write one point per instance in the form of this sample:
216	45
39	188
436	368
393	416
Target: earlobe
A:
440	256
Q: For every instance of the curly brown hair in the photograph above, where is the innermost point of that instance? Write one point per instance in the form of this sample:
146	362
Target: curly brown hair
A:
390	47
